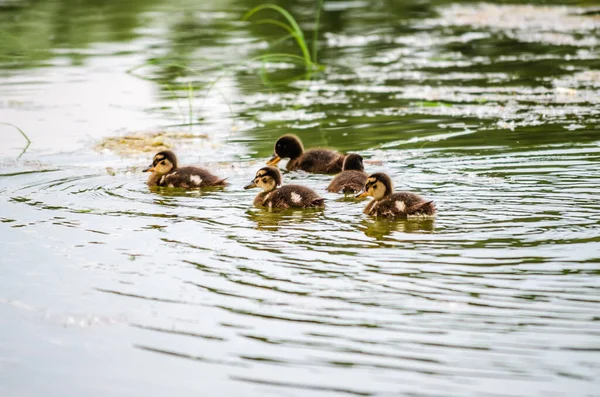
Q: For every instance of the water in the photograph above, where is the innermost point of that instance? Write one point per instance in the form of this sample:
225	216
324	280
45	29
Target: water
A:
109	288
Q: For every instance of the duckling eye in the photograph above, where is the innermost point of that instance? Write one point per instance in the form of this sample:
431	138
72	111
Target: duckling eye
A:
163	162
264	180
374	187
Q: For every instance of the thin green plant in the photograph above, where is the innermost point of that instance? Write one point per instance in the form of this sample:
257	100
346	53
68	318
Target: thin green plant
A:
315	42
176	98
190	90
293	30
308	60
22	133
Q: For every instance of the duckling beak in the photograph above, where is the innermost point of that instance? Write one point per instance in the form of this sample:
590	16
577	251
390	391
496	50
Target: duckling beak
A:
361	194
149	169
250	186
274	160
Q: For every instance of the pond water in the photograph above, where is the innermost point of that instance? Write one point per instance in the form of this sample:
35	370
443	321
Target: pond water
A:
109	288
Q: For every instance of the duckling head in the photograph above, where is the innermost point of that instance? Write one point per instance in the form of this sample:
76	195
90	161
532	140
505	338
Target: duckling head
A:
378	186
163	163
288	146
353	161
267	178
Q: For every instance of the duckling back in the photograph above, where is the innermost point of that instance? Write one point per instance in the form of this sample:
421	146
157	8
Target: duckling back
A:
350	181
401	204
290	196
190	177
321	161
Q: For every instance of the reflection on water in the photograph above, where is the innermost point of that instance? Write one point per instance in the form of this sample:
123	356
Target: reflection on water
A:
272	218
382	228
108	287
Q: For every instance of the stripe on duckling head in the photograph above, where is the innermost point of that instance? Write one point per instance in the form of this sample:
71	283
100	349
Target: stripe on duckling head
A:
370	182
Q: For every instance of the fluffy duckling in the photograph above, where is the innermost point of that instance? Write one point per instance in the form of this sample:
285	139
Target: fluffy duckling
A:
289	196
165	172
353	177
389	204
321	161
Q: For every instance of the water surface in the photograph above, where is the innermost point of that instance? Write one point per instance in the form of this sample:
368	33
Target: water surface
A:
107	287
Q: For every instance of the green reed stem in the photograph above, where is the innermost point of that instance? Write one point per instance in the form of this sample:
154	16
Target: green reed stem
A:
24	136
190	100
316	31
292	28
20	130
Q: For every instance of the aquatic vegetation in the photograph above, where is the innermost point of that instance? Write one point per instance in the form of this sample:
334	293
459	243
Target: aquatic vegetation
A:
22	133
308	58
294	31
144	142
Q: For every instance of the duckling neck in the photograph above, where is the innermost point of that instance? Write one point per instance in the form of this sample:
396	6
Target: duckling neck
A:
382	198
153	179
297	155
263	196
292	163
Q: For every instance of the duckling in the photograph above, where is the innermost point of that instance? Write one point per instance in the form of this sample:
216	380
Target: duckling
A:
321	161
353	177
389	204
165	172
289	196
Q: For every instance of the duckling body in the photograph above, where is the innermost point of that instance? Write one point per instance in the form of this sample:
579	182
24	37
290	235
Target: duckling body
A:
400	204
165	172
289	196
353	177
321	161
385	203
347	182
318	161
190	177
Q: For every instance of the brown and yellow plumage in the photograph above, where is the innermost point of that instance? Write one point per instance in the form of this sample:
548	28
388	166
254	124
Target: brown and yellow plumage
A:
321	161
388	204
289	196
165	172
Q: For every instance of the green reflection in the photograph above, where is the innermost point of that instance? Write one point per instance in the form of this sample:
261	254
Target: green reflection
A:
34	32
380	229
271	219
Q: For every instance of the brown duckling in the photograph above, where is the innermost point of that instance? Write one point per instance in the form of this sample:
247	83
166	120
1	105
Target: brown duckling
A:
321	161
389	204
289	196
353	177
165	172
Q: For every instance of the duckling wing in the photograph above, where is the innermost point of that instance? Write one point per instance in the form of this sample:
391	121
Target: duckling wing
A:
371	209
295	196
192	177
407	203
